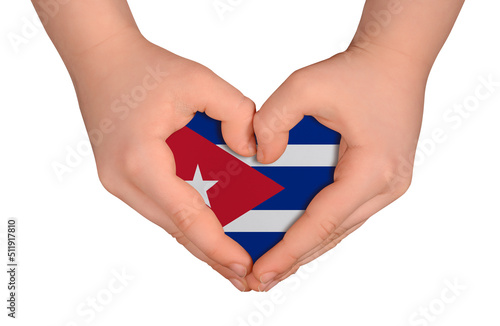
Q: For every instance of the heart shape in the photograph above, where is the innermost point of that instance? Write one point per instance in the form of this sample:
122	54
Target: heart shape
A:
255	203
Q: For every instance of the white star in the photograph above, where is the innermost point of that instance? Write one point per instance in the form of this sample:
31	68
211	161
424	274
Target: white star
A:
201	185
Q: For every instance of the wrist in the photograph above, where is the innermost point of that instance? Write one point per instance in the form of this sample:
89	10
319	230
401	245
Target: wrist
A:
398	64
100	57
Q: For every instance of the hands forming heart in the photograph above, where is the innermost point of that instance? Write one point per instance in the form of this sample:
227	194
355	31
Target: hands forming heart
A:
372	94
378	128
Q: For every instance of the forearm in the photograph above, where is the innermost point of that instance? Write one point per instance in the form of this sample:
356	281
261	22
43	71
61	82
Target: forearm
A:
413	28
80	25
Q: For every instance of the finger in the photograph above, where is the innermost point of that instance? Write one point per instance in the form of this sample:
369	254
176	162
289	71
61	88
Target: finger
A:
342	148
313	254
355	184
239	282
142	204
252	282
351	224
235	111
280	113
152	169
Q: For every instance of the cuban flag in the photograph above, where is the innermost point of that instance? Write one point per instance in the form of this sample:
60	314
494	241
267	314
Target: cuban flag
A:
255	203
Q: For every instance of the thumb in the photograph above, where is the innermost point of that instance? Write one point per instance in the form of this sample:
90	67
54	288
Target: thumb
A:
281	112
235	111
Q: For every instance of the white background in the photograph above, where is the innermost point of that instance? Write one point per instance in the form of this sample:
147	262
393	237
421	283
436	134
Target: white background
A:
73	234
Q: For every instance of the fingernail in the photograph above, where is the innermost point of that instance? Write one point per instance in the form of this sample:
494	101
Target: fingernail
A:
240	270
270	286
237	284
260	154
265	278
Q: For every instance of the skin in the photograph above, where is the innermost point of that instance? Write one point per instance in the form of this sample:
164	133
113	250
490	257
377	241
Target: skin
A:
107	57
373	94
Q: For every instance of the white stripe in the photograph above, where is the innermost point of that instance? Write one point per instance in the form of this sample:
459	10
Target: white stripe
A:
264	221
297	155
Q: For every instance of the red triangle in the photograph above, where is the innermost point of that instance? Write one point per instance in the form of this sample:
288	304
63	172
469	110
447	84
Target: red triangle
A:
239	189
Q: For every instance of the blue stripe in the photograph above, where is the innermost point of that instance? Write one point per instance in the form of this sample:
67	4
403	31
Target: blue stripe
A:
207	127
256	243
308	131
301	185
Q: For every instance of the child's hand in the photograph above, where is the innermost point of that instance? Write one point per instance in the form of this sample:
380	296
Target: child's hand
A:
372	94
133	95
374	99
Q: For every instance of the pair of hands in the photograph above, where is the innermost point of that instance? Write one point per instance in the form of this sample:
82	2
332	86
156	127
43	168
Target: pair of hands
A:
372	96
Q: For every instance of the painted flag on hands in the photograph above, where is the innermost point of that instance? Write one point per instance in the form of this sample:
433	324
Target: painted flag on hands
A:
255	203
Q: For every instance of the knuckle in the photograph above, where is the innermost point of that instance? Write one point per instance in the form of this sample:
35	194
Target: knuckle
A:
203	70
294	270
132	164
118	164
297	78
300	82
246	107
326	229
401	187
336	241
212	250
176	234
184	219
180	238
397	178
290	255
108	178
204	76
